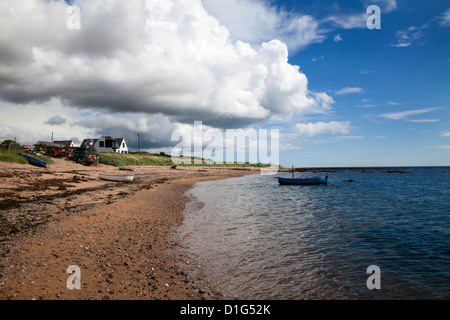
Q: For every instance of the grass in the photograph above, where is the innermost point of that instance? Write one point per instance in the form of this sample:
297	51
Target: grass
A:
147	159
16	157
131	159
135	159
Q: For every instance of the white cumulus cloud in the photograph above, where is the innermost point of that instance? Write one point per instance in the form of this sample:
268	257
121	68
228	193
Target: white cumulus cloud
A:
256	21
445	18
406	114
337	38
349	90
165	58
313	129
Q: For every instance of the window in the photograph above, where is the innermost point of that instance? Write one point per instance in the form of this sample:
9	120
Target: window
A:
101	144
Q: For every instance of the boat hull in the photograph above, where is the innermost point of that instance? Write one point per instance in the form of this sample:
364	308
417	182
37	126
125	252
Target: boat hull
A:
303	181
35	162
116	178
127	168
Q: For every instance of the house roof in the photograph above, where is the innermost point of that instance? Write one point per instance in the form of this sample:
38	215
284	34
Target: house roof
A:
50	144
119	140
65	143
88	140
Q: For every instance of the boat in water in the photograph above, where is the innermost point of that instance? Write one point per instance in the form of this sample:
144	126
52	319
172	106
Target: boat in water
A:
116	178
35	162
303	181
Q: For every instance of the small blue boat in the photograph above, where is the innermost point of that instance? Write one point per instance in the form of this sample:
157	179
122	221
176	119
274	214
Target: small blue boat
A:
35	162
303	181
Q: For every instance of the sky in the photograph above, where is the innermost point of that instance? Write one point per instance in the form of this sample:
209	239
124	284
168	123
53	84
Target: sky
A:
341	92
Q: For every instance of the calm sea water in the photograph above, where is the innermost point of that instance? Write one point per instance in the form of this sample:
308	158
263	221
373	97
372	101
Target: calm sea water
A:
255	239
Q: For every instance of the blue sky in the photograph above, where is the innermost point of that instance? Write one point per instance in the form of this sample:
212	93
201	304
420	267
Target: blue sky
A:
397	78
340	93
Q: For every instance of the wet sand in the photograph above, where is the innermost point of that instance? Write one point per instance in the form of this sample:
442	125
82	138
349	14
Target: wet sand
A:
118	234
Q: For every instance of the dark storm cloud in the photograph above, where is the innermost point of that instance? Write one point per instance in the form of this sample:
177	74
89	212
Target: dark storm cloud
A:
56	120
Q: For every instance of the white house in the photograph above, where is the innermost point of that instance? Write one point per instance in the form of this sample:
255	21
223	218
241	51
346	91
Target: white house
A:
109	144
123	148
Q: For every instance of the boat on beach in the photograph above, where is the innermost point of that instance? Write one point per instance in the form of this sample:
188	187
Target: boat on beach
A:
35	162
116	178
303	181
127	168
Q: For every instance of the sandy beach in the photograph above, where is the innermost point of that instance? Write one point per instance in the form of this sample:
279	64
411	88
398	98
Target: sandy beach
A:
118	234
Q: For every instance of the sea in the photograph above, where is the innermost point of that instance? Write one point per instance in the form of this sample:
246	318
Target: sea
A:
370	233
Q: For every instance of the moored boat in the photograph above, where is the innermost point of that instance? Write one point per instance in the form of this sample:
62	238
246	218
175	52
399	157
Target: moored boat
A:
116	178
35	162
303	181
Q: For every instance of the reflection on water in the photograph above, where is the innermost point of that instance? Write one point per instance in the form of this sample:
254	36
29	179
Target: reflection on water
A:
258	240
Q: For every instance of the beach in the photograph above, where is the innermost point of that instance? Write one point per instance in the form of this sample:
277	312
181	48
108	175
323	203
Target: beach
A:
117	234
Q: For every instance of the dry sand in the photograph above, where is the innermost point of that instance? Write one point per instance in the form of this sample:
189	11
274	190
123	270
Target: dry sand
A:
118	234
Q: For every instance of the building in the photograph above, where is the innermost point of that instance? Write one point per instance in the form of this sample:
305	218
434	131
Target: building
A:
88	143
107	144
123	148
10	145
59	144
65	143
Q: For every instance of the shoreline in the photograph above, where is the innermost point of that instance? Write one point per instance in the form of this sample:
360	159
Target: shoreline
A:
119	235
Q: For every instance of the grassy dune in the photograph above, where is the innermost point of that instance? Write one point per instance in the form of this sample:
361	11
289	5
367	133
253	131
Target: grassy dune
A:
135	159
147	159
16	157
131	159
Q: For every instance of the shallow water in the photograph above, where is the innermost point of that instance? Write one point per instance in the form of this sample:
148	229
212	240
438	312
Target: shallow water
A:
256	239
